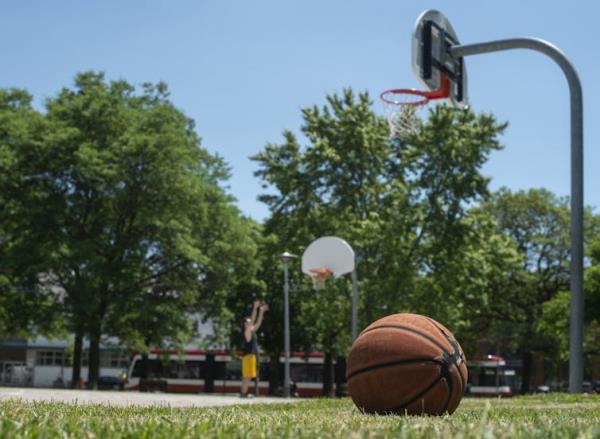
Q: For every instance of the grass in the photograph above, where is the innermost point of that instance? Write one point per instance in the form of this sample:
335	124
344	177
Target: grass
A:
548	416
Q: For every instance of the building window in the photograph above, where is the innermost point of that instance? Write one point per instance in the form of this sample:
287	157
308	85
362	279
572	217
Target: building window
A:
49	358
113	360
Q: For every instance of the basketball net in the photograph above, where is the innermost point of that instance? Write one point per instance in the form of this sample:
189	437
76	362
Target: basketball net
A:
403	120
319	276
402	106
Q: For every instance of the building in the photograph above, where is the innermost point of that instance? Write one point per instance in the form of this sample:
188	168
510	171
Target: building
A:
47	363
43	362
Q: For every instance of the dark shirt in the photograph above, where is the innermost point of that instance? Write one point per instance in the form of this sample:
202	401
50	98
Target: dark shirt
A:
250	347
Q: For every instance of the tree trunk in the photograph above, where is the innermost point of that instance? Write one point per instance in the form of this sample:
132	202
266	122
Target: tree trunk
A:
328	375
274	374
526	375
77	350
94	359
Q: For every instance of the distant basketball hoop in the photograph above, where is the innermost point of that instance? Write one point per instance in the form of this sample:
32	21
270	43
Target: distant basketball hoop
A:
326	257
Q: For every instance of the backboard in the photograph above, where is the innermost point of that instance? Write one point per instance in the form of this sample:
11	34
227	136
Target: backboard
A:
432	36
330	253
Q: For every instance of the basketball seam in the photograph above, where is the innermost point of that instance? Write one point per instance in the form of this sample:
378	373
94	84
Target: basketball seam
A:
462	380
448	378
406	328
391	364
437	328
420	395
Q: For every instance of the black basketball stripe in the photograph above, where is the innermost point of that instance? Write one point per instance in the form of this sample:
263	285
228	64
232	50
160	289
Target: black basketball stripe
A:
408	329
402	408
462	355
439	329
393	363
448	379
450	392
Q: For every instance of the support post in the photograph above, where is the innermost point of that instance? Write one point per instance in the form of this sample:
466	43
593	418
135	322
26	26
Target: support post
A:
285	258
286	326
576	110
354	305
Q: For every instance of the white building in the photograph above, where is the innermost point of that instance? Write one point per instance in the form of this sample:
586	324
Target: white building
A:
43	362
46	363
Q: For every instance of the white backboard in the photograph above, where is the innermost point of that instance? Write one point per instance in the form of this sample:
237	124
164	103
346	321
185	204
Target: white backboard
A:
329	252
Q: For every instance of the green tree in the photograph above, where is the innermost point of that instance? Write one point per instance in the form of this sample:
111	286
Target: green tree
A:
530	313
592	304
400	206
27	306
133	211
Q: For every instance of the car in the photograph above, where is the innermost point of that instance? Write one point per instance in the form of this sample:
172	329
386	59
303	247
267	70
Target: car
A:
110	383
543	389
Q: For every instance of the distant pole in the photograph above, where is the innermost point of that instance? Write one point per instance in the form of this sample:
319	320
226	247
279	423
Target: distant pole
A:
354	305
576	101
285	258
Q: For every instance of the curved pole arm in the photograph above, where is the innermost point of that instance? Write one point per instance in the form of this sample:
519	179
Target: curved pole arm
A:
536	44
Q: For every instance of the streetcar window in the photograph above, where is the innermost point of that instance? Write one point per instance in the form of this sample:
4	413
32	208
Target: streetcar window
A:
306	373
219	370
187	370
151	369
233	370
156	368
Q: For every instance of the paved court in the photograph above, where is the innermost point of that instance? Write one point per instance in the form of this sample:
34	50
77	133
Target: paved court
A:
130	398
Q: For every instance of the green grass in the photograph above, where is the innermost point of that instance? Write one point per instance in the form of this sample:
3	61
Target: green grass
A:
549	416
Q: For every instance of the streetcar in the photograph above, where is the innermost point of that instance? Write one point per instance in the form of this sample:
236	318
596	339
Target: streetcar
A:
491	377
199	371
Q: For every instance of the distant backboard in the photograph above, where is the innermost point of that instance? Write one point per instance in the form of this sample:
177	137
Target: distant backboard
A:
330	253
432	36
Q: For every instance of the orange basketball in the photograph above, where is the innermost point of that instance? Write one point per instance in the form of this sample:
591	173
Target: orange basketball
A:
406	364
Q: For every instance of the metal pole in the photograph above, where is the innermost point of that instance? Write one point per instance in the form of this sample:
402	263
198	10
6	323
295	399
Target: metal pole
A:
354	305
576	97
286	325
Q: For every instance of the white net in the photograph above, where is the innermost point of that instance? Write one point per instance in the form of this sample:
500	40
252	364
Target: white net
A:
318	284
319	276
403	120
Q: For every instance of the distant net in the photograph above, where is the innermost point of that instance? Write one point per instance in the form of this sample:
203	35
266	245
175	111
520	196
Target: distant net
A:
402	109
319	276
403	121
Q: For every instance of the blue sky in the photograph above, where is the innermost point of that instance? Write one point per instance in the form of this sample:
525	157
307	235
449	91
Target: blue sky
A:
243	69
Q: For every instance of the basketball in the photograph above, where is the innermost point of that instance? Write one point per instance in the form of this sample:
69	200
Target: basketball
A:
406	364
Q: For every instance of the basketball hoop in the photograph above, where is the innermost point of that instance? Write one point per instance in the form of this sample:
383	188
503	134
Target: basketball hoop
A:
319	276
402	106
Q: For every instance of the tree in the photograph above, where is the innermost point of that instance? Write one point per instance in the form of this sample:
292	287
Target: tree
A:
27	305
534	304
592	305
131	210
400	206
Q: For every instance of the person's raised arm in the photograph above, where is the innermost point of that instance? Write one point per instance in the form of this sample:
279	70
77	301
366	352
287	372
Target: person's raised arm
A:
261	313
255	306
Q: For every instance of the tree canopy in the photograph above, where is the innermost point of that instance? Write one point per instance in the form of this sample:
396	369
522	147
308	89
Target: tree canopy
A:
400	205
134	224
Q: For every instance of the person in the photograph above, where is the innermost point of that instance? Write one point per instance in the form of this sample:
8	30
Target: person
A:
249	360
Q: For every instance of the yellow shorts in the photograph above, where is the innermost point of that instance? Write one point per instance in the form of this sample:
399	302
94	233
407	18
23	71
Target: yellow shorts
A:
249	366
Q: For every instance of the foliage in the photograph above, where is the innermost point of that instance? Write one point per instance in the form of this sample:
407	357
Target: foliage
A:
25	306
130	212
528	308
592	304
537	223
401	206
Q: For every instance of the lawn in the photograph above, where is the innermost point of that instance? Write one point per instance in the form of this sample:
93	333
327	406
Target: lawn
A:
549	416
